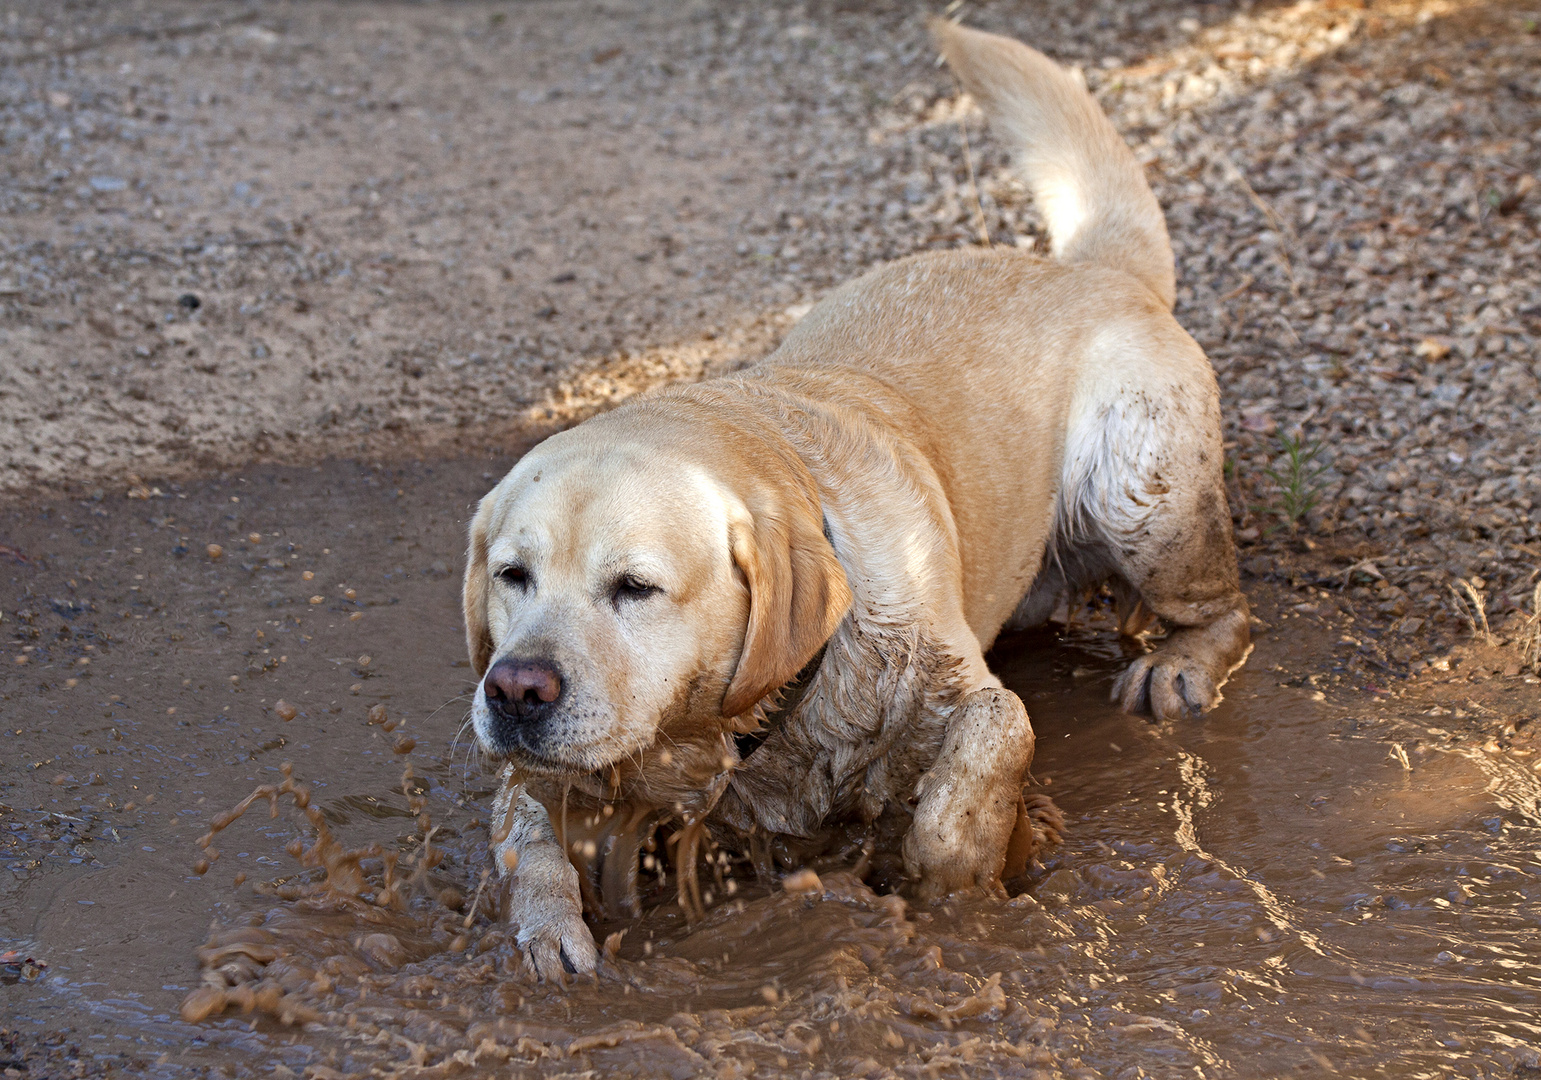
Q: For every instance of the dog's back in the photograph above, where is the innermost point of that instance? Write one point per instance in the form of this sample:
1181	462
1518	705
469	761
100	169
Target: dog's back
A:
1058	400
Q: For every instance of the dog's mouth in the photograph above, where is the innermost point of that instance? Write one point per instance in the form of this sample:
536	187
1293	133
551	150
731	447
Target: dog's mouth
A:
531	759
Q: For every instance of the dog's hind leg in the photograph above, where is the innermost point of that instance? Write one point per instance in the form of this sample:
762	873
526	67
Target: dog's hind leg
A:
1207	619
1147	487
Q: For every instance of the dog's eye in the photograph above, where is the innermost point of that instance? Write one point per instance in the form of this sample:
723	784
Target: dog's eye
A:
632	587
514	575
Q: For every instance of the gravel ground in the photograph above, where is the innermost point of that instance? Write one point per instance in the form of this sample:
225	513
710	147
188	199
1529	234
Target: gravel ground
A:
284	231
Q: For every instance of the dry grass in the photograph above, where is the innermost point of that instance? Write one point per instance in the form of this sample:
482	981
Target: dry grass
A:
1474	611
1529	638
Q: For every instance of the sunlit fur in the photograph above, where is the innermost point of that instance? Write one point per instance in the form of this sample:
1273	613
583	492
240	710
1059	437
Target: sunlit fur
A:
935	453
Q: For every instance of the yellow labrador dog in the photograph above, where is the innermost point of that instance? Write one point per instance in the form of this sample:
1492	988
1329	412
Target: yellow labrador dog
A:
760	604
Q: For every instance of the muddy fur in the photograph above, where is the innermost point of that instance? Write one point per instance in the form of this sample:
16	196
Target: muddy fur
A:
939	450
855	742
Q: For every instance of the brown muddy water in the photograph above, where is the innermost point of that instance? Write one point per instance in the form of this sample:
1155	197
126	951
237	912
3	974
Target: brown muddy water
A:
1289	886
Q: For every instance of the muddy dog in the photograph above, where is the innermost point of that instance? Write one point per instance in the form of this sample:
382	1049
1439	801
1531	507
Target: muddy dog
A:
760	604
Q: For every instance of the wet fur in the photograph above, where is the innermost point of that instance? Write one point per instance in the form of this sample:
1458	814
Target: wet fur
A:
938	451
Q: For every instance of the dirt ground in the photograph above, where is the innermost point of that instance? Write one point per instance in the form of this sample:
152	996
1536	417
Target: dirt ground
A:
301	279
287	232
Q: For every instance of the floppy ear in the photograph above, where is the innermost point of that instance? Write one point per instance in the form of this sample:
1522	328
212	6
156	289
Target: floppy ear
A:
797	596
474	595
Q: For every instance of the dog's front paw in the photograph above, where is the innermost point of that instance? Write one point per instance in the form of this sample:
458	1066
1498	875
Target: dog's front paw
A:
967	801
949	852
559	948
545	904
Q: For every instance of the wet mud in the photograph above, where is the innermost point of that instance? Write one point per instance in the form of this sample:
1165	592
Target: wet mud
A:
1295	884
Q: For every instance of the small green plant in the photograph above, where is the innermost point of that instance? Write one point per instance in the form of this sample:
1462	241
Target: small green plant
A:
1299	480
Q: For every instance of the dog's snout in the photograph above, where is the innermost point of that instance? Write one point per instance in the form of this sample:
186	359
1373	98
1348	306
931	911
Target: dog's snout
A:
521	686
524	699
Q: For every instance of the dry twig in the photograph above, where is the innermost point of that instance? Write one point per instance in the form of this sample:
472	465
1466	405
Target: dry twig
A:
973	185
1529	639
1475	613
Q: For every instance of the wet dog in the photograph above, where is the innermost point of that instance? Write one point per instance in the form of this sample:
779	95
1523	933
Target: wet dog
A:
760	605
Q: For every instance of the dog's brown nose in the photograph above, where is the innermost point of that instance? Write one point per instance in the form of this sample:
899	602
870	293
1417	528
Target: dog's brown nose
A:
519	682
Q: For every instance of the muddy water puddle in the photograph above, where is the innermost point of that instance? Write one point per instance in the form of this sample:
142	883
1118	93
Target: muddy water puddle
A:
1288	886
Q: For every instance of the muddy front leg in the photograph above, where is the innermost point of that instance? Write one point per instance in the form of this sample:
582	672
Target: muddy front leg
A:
544	902
968	800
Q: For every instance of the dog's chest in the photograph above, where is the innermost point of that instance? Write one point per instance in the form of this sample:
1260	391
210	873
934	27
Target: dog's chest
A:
870	722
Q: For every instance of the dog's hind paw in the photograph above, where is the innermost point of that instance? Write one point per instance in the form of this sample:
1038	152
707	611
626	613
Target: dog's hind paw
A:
1166	687
1182	677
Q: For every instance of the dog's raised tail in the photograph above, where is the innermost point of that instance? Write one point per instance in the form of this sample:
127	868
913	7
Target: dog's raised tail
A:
1087	184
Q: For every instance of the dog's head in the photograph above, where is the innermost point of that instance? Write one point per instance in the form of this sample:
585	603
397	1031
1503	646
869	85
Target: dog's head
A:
642	579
